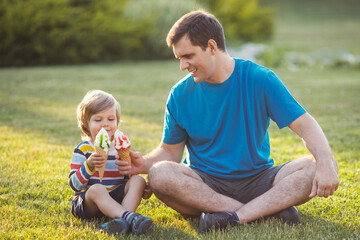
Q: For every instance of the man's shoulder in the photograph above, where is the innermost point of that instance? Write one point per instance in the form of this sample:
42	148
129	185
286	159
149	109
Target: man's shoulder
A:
247	65
253	72
184	82
183	85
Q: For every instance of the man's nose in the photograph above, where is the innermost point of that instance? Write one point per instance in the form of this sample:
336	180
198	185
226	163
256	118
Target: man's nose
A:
183	65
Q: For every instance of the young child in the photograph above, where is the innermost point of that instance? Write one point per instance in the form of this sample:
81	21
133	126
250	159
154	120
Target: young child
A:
114	197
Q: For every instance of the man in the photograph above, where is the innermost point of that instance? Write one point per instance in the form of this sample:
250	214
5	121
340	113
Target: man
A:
221	112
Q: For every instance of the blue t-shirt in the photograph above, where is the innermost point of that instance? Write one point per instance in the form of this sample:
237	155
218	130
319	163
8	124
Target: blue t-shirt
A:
225	125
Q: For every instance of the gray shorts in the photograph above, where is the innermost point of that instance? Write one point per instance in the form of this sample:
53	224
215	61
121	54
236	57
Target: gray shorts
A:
245	189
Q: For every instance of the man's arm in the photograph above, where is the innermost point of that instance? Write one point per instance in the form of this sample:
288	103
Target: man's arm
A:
140	164
169	152
326	180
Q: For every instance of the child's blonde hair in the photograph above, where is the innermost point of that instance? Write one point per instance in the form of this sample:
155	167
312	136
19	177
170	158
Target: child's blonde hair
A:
95	101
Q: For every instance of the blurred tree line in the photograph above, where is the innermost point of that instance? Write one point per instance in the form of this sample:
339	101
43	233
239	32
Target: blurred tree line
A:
34	32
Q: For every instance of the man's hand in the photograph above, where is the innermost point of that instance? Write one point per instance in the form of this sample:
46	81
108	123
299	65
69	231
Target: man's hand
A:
325	182
136	167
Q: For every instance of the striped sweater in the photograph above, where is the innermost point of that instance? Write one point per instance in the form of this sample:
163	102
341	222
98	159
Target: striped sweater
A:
81	178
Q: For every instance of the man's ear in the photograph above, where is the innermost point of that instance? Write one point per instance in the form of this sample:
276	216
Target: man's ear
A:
212	46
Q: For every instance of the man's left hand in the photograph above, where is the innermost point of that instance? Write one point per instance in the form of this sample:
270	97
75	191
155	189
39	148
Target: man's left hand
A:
326	181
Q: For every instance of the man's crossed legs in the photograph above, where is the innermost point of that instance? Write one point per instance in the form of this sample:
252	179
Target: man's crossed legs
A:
274	192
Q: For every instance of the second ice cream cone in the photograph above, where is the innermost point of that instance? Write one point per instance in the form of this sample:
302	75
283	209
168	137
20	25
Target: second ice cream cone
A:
124	154
122	146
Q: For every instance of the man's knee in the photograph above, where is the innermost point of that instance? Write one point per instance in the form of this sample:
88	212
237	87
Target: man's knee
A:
161	174
309	166
305	166
307	173
159	171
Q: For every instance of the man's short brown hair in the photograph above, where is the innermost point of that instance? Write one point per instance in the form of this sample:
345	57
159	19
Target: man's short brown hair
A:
200	27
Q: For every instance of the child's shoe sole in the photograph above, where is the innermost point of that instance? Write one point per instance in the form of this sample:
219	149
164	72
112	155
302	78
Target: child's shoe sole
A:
115	227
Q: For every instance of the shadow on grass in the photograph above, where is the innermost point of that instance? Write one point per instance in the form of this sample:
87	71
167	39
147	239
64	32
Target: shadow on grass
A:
23	119
157	232
311	228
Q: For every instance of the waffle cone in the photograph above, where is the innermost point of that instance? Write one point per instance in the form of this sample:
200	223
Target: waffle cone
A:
124	154
102	169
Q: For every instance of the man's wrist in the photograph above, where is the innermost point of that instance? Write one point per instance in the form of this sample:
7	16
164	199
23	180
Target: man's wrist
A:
328	162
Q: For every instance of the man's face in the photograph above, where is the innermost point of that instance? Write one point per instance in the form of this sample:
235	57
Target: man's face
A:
198	62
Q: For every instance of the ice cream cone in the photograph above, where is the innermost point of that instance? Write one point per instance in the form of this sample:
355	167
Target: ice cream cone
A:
102	146
124	154
122	146
102	169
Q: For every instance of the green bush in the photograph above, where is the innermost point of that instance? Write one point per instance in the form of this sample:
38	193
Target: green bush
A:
243	20
67	31
34	32
159	15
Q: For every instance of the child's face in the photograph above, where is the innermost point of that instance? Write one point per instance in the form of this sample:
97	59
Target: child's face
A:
105	119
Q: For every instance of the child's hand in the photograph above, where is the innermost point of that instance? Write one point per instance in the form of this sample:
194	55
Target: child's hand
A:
95	160
147	191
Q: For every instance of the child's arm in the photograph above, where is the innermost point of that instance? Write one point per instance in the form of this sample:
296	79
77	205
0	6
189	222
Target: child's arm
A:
80	172
95	160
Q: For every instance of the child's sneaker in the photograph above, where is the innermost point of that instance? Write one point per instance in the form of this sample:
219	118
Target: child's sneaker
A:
140	224
116	226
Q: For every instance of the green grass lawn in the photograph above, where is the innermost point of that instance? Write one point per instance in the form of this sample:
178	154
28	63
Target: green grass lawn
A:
38	132
309	25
